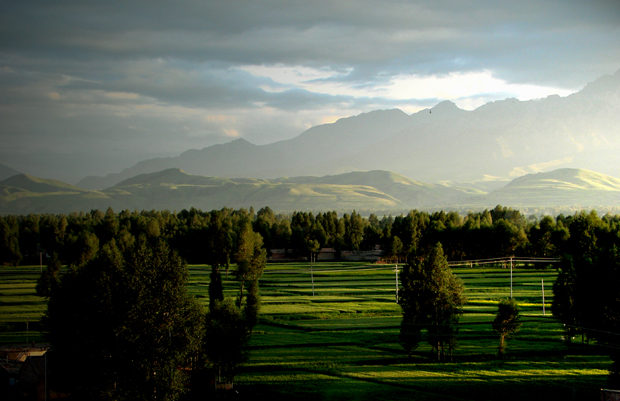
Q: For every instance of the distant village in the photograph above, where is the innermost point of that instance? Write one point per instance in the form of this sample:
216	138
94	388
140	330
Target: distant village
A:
328	254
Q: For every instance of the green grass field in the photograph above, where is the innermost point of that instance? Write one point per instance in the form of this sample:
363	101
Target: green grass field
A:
342	343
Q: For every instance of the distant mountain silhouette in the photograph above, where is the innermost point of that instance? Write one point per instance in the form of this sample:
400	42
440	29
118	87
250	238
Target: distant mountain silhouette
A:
503	139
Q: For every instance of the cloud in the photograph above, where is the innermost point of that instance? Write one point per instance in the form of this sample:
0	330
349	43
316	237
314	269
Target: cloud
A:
126	81
122	95
370	36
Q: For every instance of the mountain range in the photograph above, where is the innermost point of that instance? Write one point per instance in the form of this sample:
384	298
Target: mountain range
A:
374	191
498	141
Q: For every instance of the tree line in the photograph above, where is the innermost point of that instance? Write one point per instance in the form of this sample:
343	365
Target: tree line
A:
75	238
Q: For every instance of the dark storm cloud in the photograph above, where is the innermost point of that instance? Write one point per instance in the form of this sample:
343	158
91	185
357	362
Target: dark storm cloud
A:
374	36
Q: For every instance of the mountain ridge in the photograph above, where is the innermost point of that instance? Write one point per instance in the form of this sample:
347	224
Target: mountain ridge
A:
443	143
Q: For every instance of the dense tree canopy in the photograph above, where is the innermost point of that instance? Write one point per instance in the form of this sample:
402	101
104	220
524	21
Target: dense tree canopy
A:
208	237
586	292
122	324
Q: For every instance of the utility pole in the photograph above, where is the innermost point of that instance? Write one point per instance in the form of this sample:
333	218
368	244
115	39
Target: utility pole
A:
311	270
543	294
45	375
511	277
396	271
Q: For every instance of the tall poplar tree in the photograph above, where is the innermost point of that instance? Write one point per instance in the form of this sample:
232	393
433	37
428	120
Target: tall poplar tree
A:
506	322
431	298
229	323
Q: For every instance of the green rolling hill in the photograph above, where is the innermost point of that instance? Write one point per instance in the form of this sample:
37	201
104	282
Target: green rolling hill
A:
174	189
24	194
28	183
380	190
562	187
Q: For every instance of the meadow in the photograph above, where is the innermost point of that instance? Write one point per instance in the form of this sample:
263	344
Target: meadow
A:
342	341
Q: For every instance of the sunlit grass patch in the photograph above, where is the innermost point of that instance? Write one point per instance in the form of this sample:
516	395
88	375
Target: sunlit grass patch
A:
284	377
353	323
12	312
19	299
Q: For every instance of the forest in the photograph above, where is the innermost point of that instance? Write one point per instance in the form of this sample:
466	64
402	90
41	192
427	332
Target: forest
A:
498	232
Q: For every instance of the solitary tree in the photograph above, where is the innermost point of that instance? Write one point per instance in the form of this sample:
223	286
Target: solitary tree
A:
506	321
432	298
50	277
251	260
218	251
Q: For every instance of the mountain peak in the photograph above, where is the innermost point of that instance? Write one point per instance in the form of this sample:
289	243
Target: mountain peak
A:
238	142
446	105
445	108
168	175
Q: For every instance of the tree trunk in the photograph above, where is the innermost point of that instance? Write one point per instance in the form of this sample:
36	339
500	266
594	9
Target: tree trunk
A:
240	299
501	345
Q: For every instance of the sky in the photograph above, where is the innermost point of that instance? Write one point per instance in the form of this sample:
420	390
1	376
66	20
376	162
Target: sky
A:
93	87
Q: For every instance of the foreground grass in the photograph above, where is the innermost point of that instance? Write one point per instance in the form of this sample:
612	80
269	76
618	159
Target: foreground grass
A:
342	343
366	367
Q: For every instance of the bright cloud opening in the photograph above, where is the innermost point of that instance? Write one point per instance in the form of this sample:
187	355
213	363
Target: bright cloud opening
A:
468	90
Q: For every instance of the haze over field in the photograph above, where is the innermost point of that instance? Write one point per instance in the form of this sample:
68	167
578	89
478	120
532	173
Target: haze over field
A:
90	89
